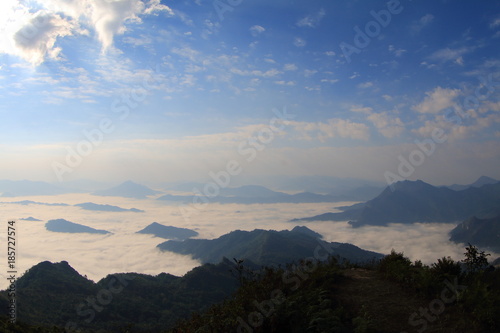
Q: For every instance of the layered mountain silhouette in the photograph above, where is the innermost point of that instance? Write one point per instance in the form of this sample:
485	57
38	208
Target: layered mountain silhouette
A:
18	188
30	202
416	201
168	232
267	247
255	194
106	208
484	233
61	225
483	180
31	218
128	189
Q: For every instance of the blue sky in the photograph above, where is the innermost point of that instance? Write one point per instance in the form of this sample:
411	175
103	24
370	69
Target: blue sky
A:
180	85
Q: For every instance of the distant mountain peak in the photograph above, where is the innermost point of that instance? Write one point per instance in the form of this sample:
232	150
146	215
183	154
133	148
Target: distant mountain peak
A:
484	180
410	185
481	181
127	189
307	231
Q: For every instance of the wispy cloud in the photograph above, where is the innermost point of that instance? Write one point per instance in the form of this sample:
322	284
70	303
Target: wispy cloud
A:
333	128
495	23
448	54
312	20
257	30
365	85
423	22
299	42
397	52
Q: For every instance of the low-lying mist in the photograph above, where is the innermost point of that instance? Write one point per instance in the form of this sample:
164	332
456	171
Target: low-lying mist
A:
125	251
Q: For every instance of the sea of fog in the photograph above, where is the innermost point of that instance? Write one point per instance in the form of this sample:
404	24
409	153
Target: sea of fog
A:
96	255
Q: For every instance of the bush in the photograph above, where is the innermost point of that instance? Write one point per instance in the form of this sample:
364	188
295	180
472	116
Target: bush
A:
395	266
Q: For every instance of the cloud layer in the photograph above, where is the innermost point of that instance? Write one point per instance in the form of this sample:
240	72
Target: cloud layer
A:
124	251
33	34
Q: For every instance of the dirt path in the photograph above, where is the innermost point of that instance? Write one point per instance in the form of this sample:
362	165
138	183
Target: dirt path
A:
384	304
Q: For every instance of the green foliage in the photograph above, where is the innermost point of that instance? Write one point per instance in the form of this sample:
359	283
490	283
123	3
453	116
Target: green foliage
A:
301	297
475	260
395	266
298	299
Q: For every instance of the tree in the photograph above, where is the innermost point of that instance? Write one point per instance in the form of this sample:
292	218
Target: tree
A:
475	260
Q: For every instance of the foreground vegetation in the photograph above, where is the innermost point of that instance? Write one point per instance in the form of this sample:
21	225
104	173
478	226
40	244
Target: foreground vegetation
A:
391	295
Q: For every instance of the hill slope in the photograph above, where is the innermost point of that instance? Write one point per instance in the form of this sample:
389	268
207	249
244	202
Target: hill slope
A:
480	232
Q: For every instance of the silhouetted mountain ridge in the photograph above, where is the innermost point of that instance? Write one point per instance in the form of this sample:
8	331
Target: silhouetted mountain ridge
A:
255	194
483	180
416	201
266	247
106	208
127	189
484	233
62	225
168	232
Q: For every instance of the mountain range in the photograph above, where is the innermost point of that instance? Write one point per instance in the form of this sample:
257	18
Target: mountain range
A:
255	194
267	247
18	188
106	208
483	180
416	201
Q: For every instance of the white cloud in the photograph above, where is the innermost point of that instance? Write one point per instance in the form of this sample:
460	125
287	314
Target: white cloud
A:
309	72
330	81
388	126
313	20
474	125
495	23
154	7
423	22
269	73
290	67
257	30
447	54
32	33
332	128
32	36
361	109
397	52
437	100
365	85
285	83
299	42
